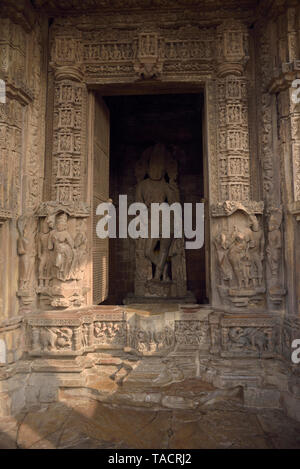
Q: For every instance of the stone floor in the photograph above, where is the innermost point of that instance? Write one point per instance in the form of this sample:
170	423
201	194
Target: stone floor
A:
86	423
147	410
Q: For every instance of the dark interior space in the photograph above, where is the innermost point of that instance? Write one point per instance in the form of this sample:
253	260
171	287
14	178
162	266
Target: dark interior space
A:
137	122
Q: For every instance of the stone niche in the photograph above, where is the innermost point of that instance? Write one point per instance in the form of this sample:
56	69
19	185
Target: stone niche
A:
62	252
239	254
137	124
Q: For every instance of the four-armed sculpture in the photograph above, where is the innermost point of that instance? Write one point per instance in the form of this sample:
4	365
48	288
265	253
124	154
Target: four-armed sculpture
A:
160	261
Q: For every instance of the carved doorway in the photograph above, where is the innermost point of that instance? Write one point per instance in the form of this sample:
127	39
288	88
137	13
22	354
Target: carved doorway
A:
134	123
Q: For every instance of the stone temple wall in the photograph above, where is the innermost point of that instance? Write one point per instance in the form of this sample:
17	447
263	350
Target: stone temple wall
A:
23	68
244	60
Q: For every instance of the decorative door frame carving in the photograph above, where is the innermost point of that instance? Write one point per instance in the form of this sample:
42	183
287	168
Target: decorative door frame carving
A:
148	58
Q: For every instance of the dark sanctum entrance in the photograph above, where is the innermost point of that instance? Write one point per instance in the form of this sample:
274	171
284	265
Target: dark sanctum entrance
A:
137	123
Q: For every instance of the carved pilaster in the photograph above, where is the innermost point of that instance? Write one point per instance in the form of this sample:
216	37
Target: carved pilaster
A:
62	238
68	135
233	134
237	232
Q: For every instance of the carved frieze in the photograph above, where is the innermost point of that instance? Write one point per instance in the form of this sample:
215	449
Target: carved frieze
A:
231	335
150	340
109	333
74	333
134	52
256	336
192	334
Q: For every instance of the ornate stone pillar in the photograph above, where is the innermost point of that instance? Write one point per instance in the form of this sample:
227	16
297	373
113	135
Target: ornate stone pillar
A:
62	238
233	134
69	131
237	235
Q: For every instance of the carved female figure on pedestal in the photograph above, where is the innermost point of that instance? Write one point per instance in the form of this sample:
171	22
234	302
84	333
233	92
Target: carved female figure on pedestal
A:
44	255
274	241
222	245
62	243
238	258
256	251
27	227
80	250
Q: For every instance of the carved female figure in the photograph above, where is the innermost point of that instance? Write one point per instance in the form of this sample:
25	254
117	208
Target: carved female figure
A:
80	250
222	245
238	257
274	241
44	255
62	243
256	250
27	227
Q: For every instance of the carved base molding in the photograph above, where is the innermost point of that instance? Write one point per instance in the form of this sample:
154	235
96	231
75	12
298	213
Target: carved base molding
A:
175	330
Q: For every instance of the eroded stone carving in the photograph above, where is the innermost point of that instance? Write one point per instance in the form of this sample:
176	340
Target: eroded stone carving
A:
61	242
150	340
256	336
247	338
274	255
274	241
44	255
239	256
27	227
50	339
110	333
148	62
191	333
62	252
160	262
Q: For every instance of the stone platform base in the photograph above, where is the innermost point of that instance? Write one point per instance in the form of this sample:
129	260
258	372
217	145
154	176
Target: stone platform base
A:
119	400
160	357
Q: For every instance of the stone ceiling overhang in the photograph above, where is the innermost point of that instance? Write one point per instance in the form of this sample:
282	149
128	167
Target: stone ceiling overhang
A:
72	6
205	10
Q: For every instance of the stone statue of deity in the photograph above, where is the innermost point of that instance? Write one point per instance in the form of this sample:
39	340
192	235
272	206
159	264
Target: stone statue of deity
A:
160	262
